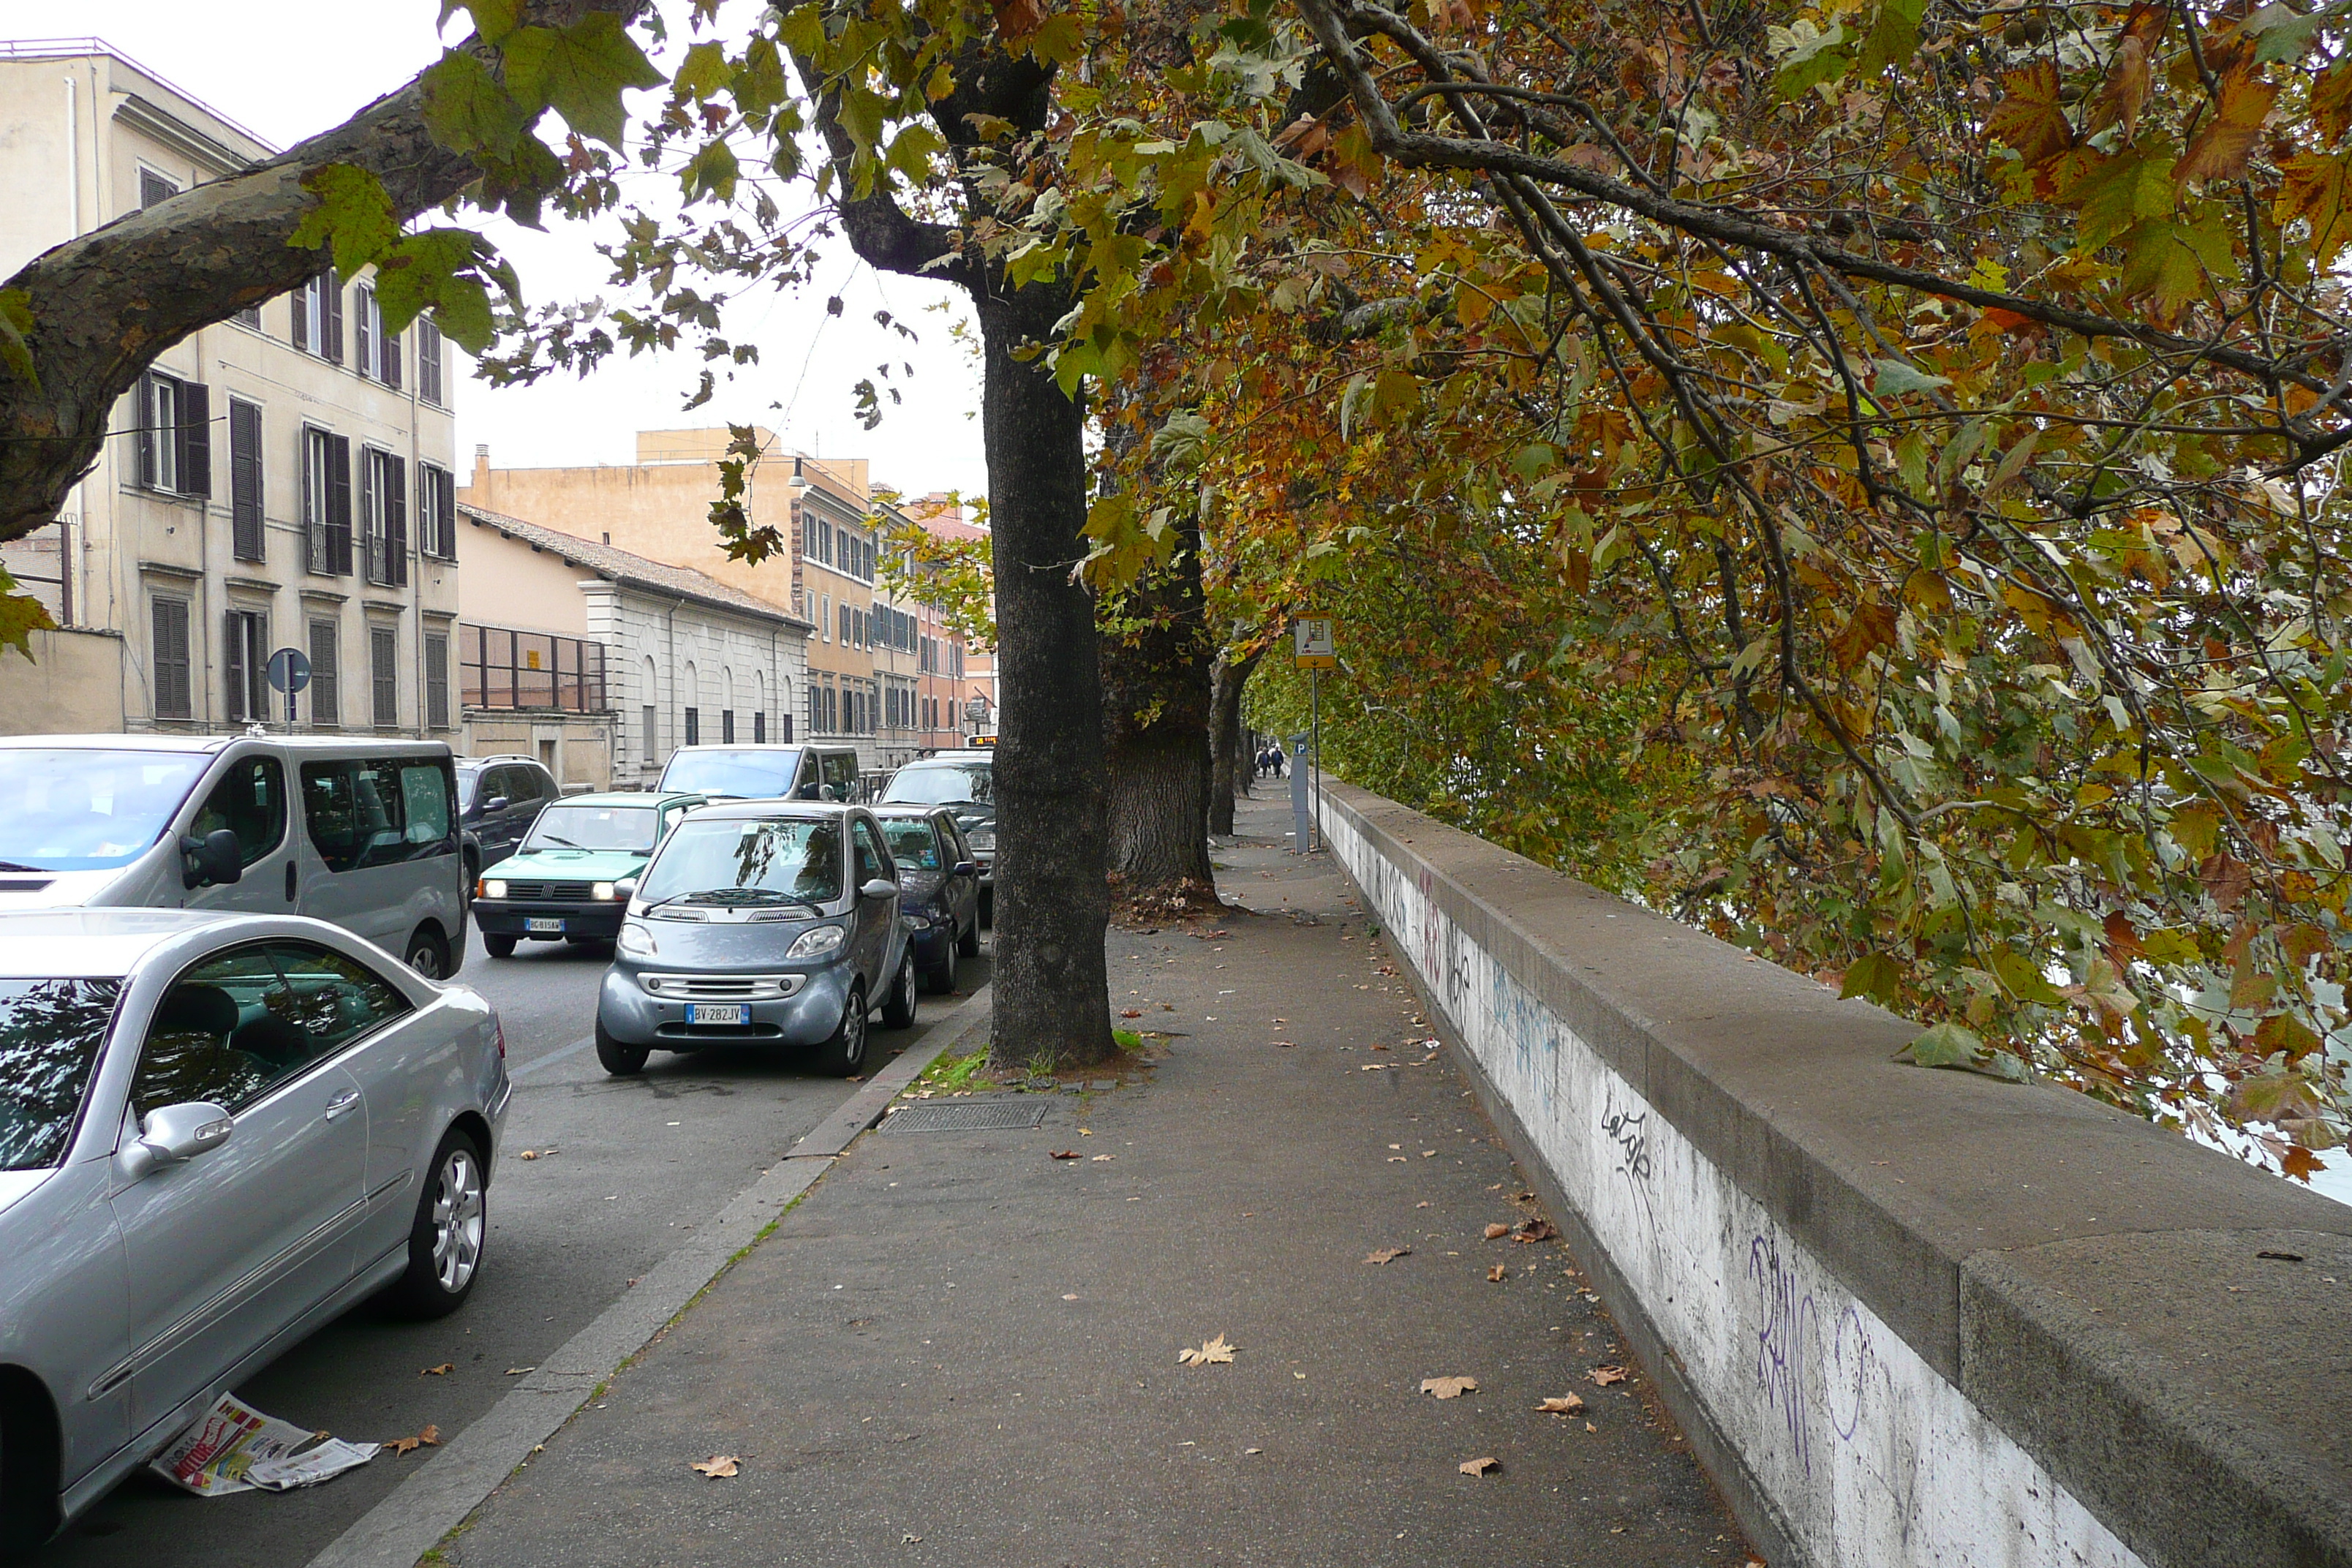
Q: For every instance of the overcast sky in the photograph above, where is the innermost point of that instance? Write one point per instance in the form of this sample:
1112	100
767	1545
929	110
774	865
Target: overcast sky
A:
287	70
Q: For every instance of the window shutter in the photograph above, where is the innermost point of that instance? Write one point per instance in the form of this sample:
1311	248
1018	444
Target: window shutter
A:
436	682
330	318
326	706
301	302
170	654
193	435
245	480
233	664
445	511
429	361
396	521
339	505
362	318
389	354
146	426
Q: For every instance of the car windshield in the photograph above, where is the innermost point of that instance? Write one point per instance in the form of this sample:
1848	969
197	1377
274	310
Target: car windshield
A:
50	1035
466	779
76	810
939	786
718	860
914	844
624	827
748	775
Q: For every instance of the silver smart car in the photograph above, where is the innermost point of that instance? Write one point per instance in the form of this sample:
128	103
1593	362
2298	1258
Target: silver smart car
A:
760	922
216	1132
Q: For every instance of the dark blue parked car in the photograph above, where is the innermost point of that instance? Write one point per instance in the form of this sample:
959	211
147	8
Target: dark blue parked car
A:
938	888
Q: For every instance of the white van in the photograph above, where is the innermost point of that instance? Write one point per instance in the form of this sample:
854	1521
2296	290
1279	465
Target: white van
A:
214	823
762	771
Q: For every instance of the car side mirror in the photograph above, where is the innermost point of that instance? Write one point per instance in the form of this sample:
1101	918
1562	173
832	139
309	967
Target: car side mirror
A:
497	802
626	888
966	868
213	858
177	1132
879	887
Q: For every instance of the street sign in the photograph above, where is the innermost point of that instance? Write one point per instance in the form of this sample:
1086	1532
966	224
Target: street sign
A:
1312	645
290	670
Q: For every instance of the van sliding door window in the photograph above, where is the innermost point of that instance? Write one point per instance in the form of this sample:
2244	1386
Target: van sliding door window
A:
379	812
251	801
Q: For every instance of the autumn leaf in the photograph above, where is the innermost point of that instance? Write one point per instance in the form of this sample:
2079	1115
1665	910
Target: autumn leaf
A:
1448	1387
444	1370
1063	1154
430	1438
1479	1467
1212	1352
1497	1232
2222	144
718	1466
2030	118
2313	189
1389	1255
1605	1375
1496	1273
1561	1405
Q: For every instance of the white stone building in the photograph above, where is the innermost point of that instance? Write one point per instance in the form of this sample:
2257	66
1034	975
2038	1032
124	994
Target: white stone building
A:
599	662
282	479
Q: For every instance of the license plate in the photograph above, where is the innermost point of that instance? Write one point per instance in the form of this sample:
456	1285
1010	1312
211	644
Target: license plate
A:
548	926
714	1012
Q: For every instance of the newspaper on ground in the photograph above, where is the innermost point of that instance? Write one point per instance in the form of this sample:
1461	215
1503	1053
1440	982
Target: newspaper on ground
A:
233	1448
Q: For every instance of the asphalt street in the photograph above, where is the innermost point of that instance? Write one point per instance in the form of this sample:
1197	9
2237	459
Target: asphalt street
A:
624	1170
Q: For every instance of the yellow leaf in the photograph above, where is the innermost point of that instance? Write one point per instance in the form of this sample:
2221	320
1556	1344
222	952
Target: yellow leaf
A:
1448	1387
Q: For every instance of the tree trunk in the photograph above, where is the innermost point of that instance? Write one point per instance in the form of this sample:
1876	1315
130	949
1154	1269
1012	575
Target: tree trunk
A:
106	303
1156	716
1229	764
1052	906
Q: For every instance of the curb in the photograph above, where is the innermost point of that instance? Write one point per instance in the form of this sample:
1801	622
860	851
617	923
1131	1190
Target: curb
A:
415	1516
861	1110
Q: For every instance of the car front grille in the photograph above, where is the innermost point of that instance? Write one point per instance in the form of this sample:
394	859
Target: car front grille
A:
526	890
721	987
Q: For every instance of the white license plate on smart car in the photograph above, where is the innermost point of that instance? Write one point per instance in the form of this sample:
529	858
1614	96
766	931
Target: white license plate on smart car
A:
543	926
714	1012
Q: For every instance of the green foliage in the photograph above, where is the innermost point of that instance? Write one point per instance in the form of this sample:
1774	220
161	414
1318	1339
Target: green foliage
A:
16	320
354	216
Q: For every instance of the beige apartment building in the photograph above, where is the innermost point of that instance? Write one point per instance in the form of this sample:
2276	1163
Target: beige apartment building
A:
863	660
282	479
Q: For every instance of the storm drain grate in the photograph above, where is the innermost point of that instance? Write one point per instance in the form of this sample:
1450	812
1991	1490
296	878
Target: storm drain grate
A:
969	1116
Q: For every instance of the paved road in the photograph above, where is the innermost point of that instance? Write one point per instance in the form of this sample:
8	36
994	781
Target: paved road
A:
634	1165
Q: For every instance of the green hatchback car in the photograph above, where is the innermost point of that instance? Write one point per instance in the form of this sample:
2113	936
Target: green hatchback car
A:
571	878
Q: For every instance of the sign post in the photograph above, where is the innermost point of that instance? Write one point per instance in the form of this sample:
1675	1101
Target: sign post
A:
290	671
1314	649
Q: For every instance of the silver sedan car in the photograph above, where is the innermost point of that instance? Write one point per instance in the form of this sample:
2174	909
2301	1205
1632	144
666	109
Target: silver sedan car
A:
216	1132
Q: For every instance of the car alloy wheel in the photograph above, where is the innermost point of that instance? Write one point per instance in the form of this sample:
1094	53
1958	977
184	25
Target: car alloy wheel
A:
457	1214
844	1053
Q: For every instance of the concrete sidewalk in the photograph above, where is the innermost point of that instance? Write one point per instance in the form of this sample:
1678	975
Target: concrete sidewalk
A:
959	1350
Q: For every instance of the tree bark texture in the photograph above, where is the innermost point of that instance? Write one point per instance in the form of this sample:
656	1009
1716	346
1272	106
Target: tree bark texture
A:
1155	726
106	303
1052	984
1229	764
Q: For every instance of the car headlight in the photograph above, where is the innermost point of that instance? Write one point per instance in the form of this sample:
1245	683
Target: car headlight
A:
601	892
817	943
493	889
635	941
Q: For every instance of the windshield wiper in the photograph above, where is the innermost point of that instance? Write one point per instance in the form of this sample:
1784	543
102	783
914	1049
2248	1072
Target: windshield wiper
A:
553	839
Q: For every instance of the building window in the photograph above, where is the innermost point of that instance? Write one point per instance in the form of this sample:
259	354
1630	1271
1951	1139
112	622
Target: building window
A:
651	743
250	317
244	667
327	501
727	725
176	440
155	189
824	618
955	657
175	697
760	728
383	665
384	516
693	727
843	627
245	541
319	317
436	511
500	668
436	680
379	351
326	667
429	362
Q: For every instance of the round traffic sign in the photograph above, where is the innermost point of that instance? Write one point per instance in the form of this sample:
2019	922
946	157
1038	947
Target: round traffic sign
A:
290	669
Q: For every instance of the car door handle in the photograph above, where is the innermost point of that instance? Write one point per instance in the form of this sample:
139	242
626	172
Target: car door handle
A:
341	1103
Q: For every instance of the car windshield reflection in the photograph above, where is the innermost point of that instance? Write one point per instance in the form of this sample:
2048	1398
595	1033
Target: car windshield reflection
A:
72	810
724	860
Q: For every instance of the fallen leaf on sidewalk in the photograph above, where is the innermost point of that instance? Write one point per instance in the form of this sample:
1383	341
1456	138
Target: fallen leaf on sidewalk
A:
1449	1387
1497	1230
1496	1273
1479	1467
1130	1012
428	1438
1372	1067
718	1466
1062	1154
1086	1131
444	1370
1605	1375
1389	1255
854	1078
1212	1352
1100	1158
1168	1007
909	1540
527	1154
518	1371
1533	1230
1283	1044
1070	1298
1561	1405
